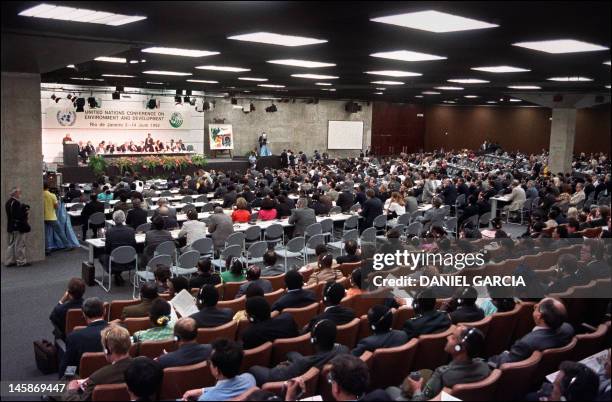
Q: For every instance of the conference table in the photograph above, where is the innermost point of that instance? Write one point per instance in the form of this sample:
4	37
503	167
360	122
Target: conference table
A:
493	200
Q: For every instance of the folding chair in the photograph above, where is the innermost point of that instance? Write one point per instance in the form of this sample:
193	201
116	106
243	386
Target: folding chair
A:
121	256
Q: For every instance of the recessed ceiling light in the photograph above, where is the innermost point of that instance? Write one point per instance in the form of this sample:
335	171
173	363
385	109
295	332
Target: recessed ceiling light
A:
434	21
491	102
524	87
607	63
388	82
70	66
514	100
159	72
79	15
277	39
560	46
448	101
450	88
301	63
204	81
270	86
471	96
501	69
252	79
407	55
224	68
86	79
380	89
608	86
118	75
468	81
394	73
134	61
315	76
329	89
323	83
378	93
430	93
418	96
172	51
111	59
570	79
143	61
155	83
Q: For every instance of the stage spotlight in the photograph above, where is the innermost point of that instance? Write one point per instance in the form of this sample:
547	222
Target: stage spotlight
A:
80	104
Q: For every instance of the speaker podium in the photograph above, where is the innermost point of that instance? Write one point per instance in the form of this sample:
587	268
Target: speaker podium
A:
268	162
71	154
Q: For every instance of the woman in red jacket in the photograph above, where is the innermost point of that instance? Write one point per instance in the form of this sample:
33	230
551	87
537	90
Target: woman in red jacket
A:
241	214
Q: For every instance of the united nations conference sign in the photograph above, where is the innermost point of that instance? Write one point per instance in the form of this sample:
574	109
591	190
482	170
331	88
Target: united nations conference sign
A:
118	119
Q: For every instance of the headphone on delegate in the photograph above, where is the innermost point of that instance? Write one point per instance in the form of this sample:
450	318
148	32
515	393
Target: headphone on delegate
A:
464	293
326	292
107	351
313	337
381	319
459	346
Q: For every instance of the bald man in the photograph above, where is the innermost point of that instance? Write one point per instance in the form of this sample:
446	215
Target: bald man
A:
550	331
189	350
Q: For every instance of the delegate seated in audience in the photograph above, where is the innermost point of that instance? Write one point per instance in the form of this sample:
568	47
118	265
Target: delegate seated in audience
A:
333	293
352	253
463	345
161	275
189	351
598	267
116	343
301	217
380	319
264	329
601	217
271	268
122	204
137	215
470	210
393	243
574	382
209	315
253	290
160	319
463	308
349	377
234	270
230	198
395	206
72	193
427	319
371	208
241	214
176	284
283	209
500	300
268	211
433	216
253	276
205	275
154	237
320	250
93	206
296	296
355	283
324	271
118	235
346	199
225	362
550	331
72	298
220	227
192	230
106	195
148	293
170	222
569	273
143	379
161	203
323	337
86	339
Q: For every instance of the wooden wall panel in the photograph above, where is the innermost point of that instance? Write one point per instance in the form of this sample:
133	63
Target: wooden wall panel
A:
593	130
397	127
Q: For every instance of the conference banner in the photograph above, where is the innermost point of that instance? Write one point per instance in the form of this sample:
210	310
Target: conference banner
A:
117	119
220	137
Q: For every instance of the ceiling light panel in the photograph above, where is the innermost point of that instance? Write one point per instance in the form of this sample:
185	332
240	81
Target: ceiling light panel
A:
430	93
607	63
301	63
252	79
560	46
270	86
468	81
325	84
172	51
450	88
118	75
434	21
394	73
315	76
111	59
501	69
387	82
224	68
203	81
277	39
160	72
50	11
570	79
407	55
524	87
471	96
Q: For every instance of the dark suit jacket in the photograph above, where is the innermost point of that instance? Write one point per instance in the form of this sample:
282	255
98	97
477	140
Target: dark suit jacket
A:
538	339
467	314
15	215
229	199
343	259
261	332
302	218
371	209
186	355
118	236
388	339
91	208
429	323
450	194
345	200
58	315
136	217
141	309
209	317
198	280
294	299
109	374
78	342
338	314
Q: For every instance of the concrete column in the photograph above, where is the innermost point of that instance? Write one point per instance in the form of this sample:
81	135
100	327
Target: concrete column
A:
562	136
22	154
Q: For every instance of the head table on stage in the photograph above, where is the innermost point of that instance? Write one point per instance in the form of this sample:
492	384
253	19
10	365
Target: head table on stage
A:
128	154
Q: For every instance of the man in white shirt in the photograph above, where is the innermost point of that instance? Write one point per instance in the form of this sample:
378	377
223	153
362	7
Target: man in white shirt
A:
578	196
192	229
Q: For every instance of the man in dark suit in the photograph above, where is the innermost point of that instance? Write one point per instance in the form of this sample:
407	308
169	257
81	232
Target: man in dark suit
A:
302	217
372	208
136	216
351	256
117	236
263	328
229	199
189	350
380	319
295	296
333	293
148	293
72	299
323	337
449	192
89	209
345	199
16	227
469	211
550	331
427	319
209	315
86	339
463	308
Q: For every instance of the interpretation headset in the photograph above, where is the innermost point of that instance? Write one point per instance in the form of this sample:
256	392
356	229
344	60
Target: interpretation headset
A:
465	337
327	288
464	293
381	319
107	351
313	337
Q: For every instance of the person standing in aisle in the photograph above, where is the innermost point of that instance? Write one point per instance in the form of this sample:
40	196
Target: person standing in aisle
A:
17	227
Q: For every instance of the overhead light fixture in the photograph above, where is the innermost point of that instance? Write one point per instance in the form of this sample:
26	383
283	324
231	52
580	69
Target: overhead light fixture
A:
323	83
418	96
570	79
329	89
559	46
270	86
394	73
155	83
524	87
607	86
111	59
491	102
450	88
118	75
134	61
252	79
143	61
515	100
387	82
430	93
607	63
501	69
160	72
70	66
224	68
277	39
50	11
315	76
471	96
407	55
468	81
86	79
204	81
173	51
448	101
380	89
301	63
378	93
434	21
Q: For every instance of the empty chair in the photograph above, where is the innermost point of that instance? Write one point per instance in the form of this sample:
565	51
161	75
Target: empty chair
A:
401	315
201	198
482	325
312	244
485	219
500	331
390	366
236	238
145	227
277	281
300	344
352	234
483	390
403	219
135	324
414	229
116	308
166	248
110	392
204	246
327	228
252	235
234	304
591	343
313	229
95	221
380	224
153	349
355	208
335	210
274	234
208	207
471	221
208	335
415	215
166	193
178	380
77	207
256	252
187	199
272	297
451	225
124	255
187	263
293	249
368	235
303	315
259	356
91	362
524	320
348	267
515	379
230	251
551	359
188	207
347	333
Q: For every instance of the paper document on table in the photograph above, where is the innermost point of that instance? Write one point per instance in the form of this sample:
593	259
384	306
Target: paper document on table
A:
448	397
184	303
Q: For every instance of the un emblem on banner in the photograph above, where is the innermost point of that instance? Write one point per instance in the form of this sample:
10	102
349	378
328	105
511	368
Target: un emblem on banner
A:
66	118
176	120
